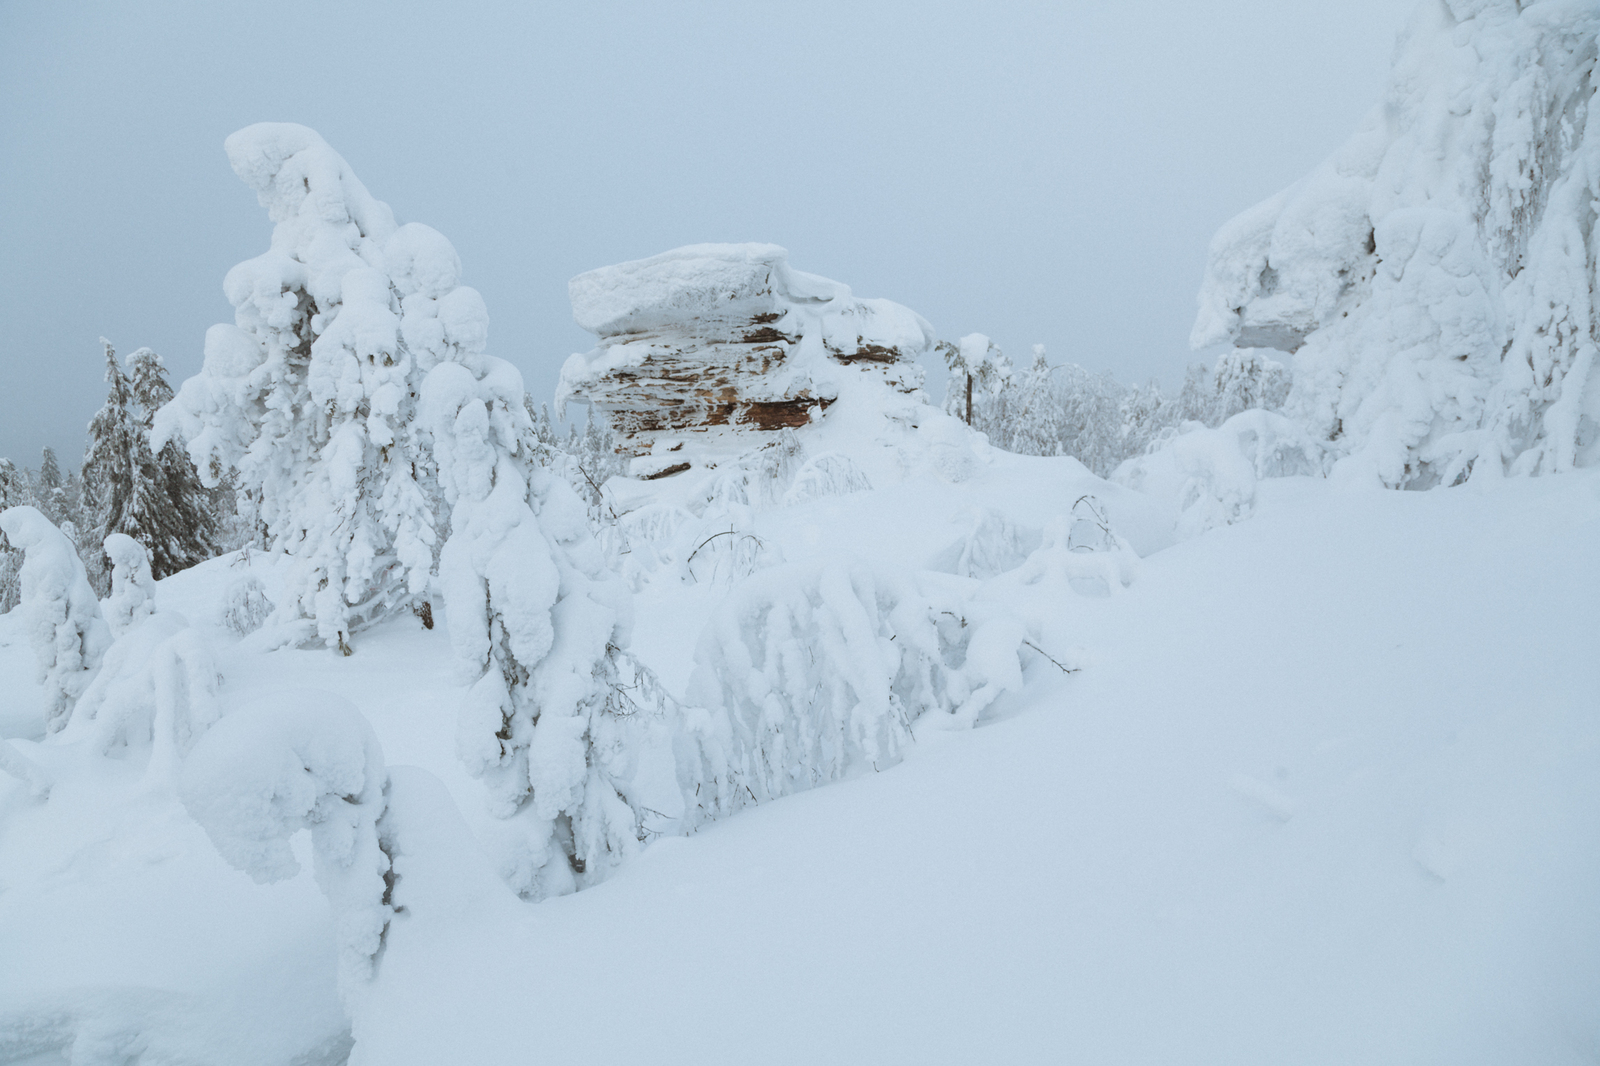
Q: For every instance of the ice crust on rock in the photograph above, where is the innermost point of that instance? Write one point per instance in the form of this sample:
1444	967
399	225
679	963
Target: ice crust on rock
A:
1435	275
729	335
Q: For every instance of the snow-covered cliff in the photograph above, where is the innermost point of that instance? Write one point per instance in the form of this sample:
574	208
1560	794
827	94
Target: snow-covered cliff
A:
1435	275
728	335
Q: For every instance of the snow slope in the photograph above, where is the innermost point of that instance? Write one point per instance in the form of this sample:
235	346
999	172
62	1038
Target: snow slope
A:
1323	790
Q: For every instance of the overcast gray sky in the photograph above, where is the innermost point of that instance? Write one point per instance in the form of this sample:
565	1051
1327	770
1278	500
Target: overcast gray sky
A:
1038	172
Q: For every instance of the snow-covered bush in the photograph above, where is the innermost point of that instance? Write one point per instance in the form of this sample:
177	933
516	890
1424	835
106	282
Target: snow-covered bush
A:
806	676
1435	275
65	627
991	544
245	606
133	590
291	761
311	395
828	474
156	691
1209	475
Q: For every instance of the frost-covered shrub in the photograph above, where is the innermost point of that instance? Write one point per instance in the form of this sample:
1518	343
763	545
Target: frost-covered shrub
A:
828	474
1210	475
807	676
291	761
992	544
133	590
310	396
65	627
245	606
1435	276
156	691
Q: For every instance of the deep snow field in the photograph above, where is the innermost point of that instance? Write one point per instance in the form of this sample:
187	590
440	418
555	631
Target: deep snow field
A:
1323	788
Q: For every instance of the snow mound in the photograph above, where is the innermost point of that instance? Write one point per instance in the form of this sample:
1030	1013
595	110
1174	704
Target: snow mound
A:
1435	275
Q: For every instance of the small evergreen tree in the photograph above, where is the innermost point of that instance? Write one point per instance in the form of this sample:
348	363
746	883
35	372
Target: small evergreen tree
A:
1037	416
110	467
14	492
49	493
173	515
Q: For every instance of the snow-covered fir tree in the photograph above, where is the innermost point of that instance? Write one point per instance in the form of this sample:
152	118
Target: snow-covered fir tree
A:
174	515
111	474
14	492
538	624
310	396
1036	417
61	613
49	488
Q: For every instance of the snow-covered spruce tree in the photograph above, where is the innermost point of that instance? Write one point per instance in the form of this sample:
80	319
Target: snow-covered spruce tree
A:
14	492
1435	277
1246	379
49	489
310	396
1036	426
111	474
558	715
172	514
65	628
1089	406
1143	413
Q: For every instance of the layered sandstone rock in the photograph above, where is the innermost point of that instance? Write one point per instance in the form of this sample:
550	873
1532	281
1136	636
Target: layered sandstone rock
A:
715	337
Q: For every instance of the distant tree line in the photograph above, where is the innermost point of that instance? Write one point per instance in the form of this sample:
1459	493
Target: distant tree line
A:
1064	409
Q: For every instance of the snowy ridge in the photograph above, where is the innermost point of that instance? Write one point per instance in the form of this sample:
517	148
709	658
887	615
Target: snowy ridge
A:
1435	275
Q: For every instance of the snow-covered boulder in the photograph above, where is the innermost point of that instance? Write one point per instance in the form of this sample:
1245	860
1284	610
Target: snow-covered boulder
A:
728	335
1435	275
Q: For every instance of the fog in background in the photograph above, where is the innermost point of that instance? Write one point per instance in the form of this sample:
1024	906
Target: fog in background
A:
1039	172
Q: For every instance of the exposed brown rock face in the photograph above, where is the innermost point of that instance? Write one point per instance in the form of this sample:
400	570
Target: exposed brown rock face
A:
727	336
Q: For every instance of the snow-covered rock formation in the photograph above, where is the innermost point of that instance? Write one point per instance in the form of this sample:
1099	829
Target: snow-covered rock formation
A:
1435	275
715	335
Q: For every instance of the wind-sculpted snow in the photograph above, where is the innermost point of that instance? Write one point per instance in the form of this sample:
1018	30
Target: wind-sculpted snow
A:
1436	274
65	627
293	760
